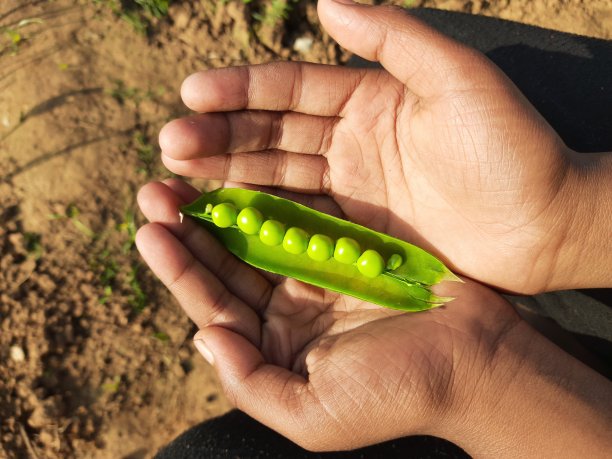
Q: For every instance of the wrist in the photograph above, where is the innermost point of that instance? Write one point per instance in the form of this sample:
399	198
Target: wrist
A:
583	221
534	400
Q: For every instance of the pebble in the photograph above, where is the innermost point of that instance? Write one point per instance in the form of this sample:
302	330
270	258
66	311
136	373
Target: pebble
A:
38	419
303	44
46	438
182	18
17	354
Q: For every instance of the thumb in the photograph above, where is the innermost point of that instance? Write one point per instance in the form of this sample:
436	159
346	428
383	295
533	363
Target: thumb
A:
271	394
425	60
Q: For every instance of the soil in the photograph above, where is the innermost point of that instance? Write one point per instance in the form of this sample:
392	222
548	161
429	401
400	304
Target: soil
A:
96	357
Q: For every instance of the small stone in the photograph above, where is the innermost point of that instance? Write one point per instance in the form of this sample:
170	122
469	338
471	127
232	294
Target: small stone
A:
46	438
17	243
38	419
303	44
17	354
182	18
46	284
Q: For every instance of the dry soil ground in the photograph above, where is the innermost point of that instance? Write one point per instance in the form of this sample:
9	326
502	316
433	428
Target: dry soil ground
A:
95	357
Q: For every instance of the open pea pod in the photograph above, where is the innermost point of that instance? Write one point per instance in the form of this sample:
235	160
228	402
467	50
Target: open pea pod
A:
283	237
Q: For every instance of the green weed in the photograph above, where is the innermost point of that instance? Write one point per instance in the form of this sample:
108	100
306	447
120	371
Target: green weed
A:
156	8
124	94
161	336
274	12
128	226
109	270
138	13
14	34
111	387
146	152
72	213
33	245
138	299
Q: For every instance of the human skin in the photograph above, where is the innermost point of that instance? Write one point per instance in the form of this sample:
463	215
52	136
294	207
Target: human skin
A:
439	148
333	372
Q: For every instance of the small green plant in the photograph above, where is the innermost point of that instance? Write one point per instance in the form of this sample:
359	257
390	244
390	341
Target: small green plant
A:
156	8
33	245
107	294
145	151
138	13
124	94
128	226
138	298
161	336
274	12
72	213
14	33
112	386
109	270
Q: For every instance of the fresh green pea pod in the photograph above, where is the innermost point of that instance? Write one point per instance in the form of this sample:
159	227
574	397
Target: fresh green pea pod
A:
404	284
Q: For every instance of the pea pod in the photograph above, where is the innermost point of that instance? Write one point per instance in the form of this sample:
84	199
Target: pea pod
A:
380	269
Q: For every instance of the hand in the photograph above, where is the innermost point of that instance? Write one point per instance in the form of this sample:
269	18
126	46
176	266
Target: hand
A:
439	148
316	365
332	372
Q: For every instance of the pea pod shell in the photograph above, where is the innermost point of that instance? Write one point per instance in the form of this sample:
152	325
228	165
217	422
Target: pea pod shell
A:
405	288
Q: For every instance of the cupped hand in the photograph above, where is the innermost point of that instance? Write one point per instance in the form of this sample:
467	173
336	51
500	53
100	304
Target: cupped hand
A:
326	370
438	147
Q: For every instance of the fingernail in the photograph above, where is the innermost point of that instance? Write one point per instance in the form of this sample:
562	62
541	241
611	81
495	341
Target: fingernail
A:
345	2
204	350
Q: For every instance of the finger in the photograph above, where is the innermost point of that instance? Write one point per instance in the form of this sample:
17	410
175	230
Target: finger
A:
235	132
184	191
425	60
249	281
322	203
271	394
160	203
203	297
293	171
281	86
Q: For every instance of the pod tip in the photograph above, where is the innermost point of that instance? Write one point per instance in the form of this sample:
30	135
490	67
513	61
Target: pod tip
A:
452	277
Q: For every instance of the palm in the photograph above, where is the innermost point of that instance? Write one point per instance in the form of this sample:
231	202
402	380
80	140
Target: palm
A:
416	169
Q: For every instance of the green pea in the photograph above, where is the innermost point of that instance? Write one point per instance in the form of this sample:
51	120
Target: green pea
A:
224	215
407	287
250	220
295	240
347	250
320	247
394	262
272	232
370	263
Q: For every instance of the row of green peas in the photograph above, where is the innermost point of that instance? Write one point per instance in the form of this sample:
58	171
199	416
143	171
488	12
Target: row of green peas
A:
296	241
